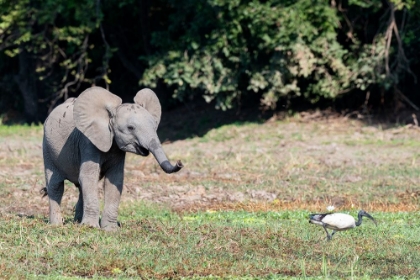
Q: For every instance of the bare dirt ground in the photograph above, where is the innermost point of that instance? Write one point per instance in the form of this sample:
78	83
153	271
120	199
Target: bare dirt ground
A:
305	162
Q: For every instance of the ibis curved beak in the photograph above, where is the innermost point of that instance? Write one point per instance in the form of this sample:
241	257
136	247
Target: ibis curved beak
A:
369	216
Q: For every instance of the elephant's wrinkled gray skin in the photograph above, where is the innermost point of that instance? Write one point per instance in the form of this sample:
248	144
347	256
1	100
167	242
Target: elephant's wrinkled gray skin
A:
85	141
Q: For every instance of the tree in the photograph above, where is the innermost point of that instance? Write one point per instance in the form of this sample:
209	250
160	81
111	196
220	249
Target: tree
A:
50	42
281	49
225	51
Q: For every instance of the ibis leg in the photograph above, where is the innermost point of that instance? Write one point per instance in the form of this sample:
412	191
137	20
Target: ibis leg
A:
328	235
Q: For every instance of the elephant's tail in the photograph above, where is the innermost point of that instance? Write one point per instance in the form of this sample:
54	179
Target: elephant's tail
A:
43	192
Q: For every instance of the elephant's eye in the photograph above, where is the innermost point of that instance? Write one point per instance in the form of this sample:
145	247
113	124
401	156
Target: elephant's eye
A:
130	127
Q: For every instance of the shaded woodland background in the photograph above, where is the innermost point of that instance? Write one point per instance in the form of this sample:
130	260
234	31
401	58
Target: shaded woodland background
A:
274	55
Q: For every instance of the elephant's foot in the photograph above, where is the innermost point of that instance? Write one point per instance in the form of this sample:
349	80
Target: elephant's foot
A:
90	222
109	226
55	214
56	219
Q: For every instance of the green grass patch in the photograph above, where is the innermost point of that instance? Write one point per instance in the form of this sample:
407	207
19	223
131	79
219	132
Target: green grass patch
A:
157	243
20	130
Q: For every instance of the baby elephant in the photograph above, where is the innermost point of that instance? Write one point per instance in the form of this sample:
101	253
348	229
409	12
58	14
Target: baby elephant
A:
85	141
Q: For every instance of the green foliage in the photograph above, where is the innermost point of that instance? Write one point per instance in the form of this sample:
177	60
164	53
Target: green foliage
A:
225	49
56	36
230	47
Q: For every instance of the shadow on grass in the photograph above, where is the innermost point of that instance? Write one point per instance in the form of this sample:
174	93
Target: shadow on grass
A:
196	119
42	218
20	215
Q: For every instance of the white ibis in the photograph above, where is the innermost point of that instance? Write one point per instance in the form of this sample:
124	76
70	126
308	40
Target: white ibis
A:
338	221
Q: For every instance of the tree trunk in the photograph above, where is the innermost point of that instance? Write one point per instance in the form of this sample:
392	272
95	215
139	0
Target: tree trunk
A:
145	26
27	80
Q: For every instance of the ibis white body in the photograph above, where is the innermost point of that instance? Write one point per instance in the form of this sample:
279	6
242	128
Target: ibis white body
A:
334	221
338	221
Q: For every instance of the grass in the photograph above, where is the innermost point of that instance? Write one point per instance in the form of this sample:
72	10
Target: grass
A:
20	130
157	243
239	208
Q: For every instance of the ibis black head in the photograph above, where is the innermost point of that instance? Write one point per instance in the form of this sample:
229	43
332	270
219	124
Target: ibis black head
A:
363	213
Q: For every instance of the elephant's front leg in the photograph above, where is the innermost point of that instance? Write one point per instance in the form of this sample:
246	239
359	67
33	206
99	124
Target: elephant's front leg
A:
88	180
113	188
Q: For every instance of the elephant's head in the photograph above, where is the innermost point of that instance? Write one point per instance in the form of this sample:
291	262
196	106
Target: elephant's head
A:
101	117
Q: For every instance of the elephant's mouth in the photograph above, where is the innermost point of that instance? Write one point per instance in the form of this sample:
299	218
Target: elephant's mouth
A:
135	149
142	151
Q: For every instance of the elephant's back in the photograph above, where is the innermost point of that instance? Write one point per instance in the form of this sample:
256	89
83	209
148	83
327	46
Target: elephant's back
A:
58	127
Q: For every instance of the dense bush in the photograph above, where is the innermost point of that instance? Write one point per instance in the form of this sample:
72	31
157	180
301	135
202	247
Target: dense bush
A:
227	49
221	50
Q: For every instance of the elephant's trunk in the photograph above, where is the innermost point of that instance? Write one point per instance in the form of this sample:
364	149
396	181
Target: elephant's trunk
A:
169	168
156	149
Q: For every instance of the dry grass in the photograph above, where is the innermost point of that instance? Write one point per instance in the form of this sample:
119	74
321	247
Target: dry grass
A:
311	206
291	164
288	165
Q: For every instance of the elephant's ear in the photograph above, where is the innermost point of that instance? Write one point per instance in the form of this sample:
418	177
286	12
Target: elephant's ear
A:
92	112
148	99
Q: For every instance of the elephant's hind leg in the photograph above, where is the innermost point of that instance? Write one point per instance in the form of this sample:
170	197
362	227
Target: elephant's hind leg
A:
78	215
55	190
